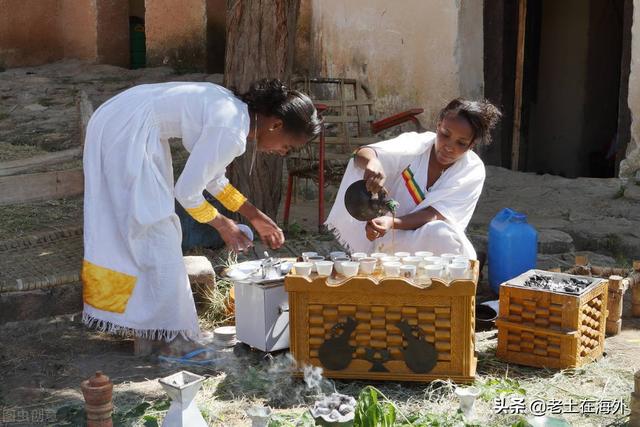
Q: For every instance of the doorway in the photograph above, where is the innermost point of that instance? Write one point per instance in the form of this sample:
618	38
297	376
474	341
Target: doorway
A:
575	67
137	38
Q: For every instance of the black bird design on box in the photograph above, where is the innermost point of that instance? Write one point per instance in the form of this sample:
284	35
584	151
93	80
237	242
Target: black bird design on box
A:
336	353
419	355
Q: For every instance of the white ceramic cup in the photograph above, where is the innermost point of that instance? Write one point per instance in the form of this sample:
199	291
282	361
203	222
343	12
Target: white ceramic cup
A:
368	265
432	260
357	256
461	258
306	255
392	268
337	264
412	260
389	259
402	254
378	256
303	268
457	270
324	268
313	260
447	258
434	270
350	268
408	271
337	254
423	254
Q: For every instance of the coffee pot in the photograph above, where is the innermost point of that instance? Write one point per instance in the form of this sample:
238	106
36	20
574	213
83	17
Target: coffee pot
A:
364	205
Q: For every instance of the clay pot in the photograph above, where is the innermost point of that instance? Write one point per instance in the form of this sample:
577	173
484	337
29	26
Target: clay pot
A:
485	317
98	393
363	206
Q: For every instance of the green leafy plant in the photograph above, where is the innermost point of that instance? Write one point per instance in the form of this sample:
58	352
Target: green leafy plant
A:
436	420
292	420
372	412
496	387
294	230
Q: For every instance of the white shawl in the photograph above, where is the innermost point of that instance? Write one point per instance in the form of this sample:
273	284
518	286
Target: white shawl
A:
455	194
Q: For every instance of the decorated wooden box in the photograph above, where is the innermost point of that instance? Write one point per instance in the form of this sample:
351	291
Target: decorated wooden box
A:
384	328
552	320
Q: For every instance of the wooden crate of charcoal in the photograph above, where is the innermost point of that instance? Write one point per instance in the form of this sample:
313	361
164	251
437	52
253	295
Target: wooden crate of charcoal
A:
389	329
552	320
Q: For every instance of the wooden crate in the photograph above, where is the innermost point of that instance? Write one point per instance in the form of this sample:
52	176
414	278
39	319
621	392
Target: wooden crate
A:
442	314
620	279
553	330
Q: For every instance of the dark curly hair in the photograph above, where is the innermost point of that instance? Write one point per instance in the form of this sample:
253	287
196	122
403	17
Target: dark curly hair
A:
481	115
270	97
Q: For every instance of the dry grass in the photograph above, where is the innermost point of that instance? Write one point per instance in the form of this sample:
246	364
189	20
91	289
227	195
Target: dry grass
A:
250	380
23	219
17	152
247	382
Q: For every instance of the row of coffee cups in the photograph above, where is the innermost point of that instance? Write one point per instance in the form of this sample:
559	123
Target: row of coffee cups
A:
401	264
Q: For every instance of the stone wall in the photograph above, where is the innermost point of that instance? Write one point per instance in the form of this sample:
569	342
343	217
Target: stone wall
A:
411	53
176	33
34	32
28	32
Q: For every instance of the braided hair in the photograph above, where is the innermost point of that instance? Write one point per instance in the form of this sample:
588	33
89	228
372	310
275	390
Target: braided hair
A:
270	97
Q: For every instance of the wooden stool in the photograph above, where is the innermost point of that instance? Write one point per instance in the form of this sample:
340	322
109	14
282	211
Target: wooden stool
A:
634	280
617	288
200	271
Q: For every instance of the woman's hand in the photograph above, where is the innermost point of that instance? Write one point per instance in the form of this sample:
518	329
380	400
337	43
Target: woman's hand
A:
233	237
268	230
378	227
374	176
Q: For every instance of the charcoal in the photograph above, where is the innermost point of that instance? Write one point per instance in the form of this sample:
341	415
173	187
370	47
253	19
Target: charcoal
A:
572	285
344	409
335	415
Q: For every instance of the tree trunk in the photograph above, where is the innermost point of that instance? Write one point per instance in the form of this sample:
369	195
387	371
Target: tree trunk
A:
260	44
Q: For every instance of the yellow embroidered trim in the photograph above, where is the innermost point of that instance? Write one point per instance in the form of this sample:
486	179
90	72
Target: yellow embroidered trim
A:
203	213
231	198
106	289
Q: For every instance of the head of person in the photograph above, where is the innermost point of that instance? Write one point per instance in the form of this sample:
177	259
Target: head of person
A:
463	124
286	119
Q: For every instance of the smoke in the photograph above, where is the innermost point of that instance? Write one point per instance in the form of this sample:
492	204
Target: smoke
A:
273	378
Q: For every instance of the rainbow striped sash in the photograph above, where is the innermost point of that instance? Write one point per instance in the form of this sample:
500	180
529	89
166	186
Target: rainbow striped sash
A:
412	186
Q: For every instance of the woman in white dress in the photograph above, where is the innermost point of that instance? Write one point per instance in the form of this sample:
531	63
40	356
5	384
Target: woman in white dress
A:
436	178
134	277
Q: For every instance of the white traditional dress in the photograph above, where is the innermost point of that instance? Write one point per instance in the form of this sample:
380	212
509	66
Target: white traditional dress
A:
134	277
405	160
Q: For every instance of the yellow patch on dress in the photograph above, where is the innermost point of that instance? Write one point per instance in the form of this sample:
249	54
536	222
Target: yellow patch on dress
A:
231	198
203	213
106	289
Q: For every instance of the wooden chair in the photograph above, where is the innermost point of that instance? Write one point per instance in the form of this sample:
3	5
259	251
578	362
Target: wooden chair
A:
346	106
